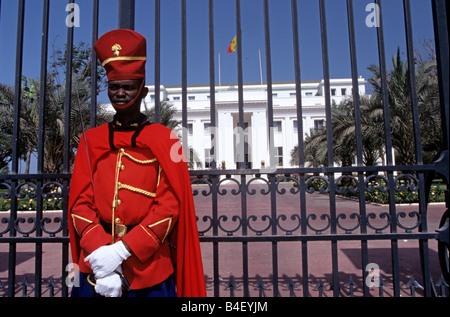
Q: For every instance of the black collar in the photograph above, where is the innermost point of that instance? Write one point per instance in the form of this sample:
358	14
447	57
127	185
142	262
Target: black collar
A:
137	126
129	126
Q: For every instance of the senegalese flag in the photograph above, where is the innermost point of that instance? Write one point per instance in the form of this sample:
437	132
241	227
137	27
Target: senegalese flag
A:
232	46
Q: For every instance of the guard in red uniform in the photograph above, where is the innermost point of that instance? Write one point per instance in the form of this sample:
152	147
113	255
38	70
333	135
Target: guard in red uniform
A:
132	222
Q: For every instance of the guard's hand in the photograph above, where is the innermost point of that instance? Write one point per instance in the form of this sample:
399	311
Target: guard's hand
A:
106	259
109	286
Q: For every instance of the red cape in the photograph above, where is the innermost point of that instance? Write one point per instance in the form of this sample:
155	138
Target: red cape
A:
167	149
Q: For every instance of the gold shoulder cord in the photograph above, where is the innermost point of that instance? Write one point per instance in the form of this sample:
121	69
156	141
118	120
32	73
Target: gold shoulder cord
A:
116	191
138	161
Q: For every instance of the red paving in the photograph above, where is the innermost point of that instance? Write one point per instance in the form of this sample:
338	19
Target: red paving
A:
260	253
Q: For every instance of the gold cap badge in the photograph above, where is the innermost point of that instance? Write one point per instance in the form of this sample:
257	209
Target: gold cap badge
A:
116	48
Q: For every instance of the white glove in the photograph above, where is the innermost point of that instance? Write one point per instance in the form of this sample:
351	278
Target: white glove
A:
110	285
106	259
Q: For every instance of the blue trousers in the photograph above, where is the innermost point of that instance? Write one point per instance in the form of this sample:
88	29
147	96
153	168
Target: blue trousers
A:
164	289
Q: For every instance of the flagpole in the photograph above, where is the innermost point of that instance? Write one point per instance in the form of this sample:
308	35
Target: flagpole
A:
220	83
260	68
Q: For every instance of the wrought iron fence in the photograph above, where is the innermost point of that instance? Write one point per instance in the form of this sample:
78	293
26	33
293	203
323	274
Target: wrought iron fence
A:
251	218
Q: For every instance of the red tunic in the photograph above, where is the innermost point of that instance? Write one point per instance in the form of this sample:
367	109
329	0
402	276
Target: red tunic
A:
140	180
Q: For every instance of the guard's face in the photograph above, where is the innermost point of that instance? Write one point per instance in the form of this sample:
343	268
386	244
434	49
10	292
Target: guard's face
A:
122	92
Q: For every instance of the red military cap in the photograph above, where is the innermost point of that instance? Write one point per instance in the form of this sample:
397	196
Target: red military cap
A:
123	54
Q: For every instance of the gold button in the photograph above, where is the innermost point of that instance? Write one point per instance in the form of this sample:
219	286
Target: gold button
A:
122	167
118	220
119	201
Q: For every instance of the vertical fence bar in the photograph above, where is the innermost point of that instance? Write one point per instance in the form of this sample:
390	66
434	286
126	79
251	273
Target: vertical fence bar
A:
241	148
272	179
270	123
243	189
15	146
42	88
388	147
94	64
240	157
212	84
329	127
68	97
301	151
184	79
384	85
67	151
273	208
17	85
359	143
412	80
157	60
126	14
41	131
440	20
423	244
214	180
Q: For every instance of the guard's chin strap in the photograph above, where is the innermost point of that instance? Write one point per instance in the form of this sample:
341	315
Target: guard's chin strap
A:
134	99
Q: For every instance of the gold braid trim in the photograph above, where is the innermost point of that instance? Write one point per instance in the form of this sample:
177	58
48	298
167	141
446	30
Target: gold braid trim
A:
135	190
139	161
124	58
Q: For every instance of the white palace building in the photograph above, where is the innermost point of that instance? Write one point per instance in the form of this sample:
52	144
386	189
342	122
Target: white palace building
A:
256	133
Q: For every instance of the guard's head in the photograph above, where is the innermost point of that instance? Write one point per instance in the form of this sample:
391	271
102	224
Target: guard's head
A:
123	54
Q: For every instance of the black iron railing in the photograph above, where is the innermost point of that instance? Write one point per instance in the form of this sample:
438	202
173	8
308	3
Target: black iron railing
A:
242	229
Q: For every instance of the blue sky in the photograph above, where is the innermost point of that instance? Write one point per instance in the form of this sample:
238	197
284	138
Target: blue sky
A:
225	30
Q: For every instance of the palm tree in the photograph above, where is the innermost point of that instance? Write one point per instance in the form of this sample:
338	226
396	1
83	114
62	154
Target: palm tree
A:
372	119
80	102
54	110
344	131
400	107
344	138
315	149
166	112
28	119
5	152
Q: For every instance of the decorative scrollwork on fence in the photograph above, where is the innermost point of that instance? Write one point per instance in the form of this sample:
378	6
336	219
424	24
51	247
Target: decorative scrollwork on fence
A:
235	219
378	228
374	185
406	182
315	183
24	189
411	214
347	183
262	190
379	180
27	195
199	181
295	185
264	218
205	219
352	216
294	217
227	181
24	231
52	190
47	220
6	222
323	217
